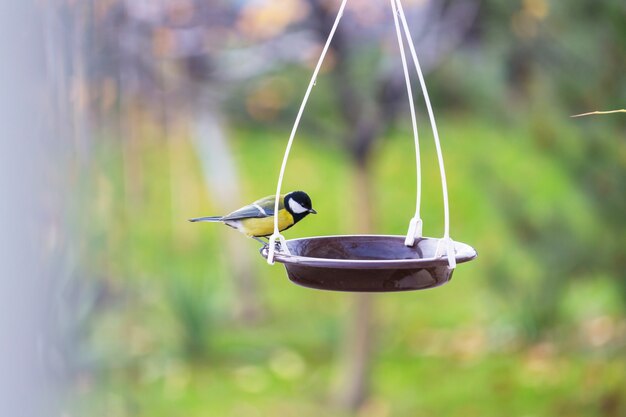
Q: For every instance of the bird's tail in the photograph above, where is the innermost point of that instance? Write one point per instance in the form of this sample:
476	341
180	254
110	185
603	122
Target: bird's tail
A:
207	219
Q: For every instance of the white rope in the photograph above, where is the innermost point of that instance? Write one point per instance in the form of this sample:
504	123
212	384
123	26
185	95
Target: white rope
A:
276	235
415	226
445	243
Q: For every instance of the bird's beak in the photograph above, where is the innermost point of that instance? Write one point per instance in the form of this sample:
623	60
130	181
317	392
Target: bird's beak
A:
312	211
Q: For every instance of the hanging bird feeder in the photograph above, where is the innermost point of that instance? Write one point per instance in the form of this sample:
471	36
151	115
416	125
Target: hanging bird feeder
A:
373	263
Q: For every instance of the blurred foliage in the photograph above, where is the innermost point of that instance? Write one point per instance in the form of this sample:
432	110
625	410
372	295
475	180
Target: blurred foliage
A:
190	358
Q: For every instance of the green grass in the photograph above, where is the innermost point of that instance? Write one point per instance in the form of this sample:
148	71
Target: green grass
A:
458	350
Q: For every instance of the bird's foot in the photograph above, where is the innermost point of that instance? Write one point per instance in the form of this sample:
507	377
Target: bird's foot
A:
266	244
265	248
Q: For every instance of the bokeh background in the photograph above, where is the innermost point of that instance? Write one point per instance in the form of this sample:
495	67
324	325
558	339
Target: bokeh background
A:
125	118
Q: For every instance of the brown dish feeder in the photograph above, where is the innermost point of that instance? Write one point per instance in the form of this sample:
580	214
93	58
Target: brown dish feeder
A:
368	263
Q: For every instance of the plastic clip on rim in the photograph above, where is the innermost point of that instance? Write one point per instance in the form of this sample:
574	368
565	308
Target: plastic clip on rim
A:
276	235
415	231
445	247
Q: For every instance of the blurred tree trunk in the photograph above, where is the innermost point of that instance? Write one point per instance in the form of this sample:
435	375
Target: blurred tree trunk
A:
364	128
363	122
358	344
221	179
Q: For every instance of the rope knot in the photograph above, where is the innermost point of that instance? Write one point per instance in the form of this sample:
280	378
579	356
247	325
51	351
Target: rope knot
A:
273	245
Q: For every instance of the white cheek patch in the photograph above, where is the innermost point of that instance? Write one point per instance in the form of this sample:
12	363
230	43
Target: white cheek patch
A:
296	207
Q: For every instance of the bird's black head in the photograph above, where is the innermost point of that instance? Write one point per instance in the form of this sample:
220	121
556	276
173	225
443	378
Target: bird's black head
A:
298	203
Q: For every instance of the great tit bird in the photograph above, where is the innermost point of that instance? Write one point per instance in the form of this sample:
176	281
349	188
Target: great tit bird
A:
257	219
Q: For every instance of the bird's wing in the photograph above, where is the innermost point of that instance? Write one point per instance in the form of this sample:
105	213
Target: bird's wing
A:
259	209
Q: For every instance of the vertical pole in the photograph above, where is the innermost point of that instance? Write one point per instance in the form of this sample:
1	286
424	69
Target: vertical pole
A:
30	161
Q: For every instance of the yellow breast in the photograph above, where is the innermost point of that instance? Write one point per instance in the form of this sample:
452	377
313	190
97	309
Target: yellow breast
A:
265	226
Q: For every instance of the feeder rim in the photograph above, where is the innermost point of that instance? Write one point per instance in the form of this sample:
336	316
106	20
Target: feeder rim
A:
283	257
